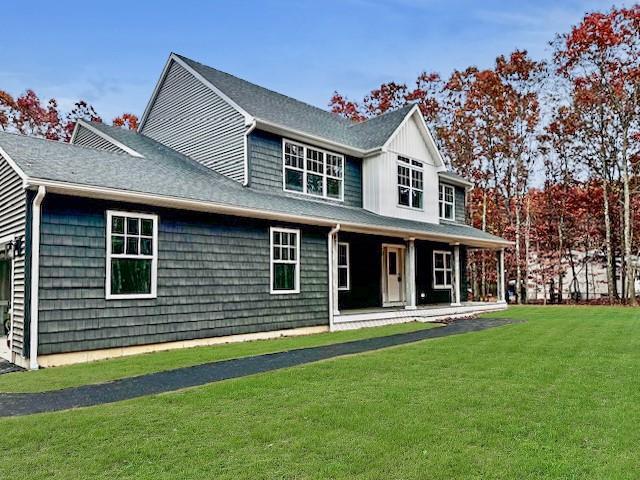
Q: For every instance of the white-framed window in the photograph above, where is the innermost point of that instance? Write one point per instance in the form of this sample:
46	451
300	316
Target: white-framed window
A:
447	202
132	255
285	260
312	171
410	183
344	277
442	269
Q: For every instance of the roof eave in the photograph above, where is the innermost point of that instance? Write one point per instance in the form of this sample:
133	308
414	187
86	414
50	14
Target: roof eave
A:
456	181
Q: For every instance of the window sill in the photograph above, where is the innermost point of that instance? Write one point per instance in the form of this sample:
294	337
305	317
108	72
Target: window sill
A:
131	297
284	292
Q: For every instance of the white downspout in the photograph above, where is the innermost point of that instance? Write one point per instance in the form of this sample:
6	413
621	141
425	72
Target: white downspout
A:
334	231
250	129
35	276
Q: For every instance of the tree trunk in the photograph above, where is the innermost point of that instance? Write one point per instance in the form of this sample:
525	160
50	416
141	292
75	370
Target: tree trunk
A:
629	270
611	280
517	252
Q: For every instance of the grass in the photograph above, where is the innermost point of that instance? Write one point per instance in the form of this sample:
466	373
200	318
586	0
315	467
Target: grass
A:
107	370
556	397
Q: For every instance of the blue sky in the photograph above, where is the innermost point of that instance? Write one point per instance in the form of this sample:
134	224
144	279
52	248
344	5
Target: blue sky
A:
111	53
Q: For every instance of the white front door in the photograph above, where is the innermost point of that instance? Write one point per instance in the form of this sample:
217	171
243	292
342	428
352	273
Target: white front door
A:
394	272
5	304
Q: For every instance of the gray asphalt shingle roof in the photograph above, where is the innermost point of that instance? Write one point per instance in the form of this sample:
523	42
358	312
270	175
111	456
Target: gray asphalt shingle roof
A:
288	112
165	172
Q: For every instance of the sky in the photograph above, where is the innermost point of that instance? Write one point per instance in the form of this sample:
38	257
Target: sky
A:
112	53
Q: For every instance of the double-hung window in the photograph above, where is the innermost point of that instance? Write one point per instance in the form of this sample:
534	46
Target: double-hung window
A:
442	269
132	255
285	260
343	266
312	171
447	202
410	182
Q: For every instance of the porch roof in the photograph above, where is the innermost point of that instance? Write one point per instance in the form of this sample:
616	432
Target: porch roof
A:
163	177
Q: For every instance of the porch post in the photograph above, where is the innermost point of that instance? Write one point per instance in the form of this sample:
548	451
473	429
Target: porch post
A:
501	277
410	274
334	273
455	292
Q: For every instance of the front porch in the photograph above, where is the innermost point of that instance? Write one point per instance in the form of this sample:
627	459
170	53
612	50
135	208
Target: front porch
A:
379	280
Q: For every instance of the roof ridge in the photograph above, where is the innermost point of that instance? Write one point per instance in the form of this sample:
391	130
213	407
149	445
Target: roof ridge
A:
336	117
408	106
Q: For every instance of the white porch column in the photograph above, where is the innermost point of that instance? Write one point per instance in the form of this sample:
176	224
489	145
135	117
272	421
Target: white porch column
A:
334	273
455	291
410	275
501	277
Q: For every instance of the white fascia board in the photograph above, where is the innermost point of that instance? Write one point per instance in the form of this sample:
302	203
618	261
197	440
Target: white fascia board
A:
91	191
106	137
455	181
13	164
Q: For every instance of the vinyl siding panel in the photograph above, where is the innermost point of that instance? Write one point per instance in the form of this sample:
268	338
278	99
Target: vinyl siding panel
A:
13	222
460	205
86	138
213	280
265	169
190	118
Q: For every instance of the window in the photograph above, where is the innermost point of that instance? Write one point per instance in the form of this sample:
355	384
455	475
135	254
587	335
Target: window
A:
442	270
312	171
285	261
343	266
447	202
132	255
410	183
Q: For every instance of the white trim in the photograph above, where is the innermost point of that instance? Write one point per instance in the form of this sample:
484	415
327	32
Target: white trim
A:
92	191
247	132
347	267
305	171
3	241
13	165
333	291
272	261
455	291
411	167
444	286
153	257
385	274
104	136
442	202
442	175
35	277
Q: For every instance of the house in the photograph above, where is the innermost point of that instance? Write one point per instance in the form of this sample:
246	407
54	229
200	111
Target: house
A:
233	212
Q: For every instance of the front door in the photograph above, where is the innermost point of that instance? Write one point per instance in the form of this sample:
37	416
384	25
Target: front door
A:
5	304
394	270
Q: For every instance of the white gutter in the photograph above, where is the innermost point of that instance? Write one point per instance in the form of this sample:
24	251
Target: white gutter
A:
331	253
35	276
252	126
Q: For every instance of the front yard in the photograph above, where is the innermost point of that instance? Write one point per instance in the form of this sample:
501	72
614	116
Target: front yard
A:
555	397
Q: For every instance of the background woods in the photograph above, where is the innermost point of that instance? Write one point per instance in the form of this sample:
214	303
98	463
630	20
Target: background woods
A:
552	147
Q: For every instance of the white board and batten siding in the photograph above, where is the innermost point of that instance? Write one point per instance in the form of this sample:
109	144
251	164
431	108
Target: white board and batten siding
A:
13	217
86	138
192	119
380	172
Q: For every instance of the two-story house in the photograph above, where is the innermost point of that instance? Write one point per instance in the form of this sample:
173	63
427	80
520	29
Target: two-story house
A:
234	212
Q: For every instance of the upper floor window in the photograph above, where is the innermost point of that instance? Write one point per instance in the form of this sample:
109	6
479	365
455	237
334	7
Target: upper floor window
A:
132	255
312	171
410	182
447	202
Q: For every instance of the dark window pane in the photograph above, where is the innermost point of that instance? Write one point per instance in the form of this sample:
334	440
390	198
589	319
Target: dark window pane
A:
314	184
416	200
285	254
440	277
133	227
147	227
284	276
276	238
146	246
276	253
132	245
343	278
393	263
439	261
129	276
293	180
117	245
448	278
403	196
342	254
292	253
117	225
333	188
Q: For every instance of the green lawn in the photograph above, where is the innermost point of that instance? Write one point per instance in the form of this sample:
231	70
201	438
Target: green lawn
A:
555	397
106	370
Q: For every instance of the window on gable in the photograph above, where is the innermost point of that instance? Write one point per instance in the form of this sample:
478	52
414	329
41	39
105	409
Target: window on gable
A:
410	183
447	202
313	171
132	255
285	260
442	269
343	266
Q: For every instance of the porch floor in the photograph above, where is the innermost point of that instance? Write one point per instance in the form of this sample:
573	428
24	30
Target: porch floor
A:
369	317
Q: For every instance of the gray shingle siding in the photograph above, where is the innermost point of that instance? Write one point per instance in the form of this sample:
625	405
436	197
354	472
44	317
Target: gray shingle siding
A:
86	138
190	118
213	280
13	222
460	205
265	169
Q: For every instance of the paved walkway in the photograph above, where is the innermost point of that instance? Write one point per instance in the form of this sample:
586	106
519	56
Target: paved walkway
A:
13	404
